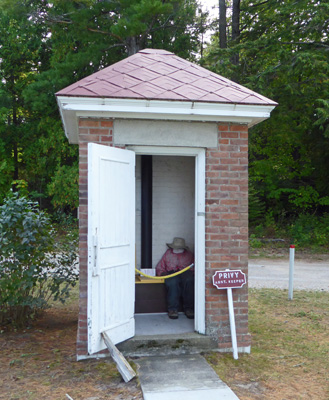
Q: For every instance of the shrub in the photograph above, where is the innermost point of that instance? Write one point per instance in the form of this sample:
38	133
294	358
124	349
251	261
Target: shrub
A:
310	231
33	269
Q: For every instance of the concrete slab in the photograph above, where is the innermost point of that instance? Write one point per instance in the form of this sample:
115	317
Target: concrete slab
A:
167	345
187	377
160	324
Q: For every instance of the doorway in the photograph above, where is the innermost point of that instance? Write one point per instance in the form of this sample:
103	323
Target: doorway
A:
111	239
177	209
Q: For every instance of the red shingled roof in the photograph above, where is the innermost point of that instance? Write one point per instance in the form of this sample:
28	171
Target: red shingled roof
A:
160	75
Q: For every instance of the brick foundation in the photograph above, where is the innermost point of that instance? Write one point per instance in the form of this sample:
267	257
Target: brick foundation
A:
226	225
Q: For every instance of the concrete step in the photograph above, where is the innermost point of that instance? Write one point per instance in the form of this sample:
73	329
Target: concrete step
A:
164	345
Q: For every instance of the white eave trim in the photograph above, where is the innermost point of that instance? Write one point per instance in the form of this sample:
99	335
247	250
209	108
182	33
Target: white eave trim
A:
71	108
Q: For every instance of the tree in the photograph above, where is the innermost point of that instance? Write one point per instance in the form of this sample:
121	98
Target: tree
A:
283	55
222	24
235	28
20	51
47	45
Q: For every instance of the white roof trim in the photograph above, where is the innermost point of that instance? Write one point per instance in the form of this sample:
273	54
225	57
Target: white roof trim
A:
71	108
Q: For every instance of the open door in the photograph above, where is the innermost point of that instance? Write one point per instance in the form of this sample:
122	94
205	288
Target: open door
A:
111	245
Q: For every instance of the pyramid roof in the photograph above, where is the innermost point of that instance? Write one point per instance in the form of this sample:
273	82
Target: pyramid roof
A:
153	74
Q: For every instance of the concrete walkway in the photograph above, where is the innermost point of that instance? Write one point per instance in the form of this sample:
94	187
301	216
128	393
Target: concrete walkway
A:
184	377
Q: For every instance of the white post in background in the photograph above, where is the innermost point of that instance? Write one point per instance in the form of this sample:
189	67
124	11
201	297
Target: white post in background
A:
291	271
232	323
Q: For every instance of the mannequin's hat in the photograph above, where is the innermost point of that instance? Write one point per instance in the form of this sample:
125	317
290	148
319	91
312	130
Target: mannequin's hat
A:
178	243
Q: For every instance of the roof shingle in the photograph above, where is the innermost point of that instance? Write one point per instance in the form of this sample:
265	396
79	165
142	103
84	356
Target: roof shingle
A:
159	74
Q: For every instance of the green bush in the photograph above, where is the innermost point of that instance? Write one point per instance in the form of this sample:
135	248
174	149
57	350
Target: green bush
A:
310	231
33	268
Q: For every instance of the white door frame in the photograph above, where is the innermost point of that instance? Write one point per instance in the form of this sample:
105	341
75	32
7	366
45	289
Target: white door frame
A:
199	230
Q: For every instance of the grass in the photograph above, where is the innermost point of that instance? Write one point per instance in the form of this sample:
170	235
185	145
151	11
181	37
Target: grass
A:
290	348
288	360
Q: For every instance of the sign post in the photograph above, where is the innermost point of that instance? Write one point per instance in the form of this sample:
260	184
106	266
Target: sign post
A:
230	279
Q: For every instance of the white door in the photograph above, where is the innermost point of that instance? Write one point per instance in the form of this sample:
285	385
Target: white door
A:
111	245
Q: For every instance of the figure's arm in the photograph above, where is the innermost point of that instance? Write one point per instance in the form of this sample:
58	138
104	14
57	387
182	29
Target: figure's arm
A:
161	268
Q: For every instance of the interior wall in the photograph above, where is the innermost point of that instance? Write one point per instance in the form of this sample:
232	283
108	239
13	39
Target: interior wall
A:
173	203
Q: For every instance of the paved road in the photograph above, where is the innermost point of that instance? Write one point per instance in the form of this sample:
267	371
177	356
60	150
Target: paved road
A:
308	275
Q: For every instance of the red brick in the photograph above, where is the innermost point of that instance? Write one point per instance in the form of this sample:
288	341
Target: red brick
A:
230	216
107	123
83	131
218	155
229	202
88	122
89	138
224	141
219	181
239	142
239	128
98	131
230	135
229	188
217	169
106	139
239	168
229	161
223	128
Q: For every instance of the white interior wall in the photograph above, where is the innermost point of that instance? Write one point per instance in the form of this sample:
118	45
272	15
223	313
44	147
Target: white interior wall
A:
173	203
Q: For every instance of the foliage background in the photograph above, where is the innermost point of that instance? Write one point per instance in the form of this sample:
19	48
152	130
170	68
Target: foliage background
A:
279	49
34	268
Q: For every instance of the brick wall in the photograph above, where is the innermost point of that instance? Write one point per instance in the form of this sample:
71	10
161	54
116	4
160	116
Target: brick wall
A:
90	131
227	230
226	225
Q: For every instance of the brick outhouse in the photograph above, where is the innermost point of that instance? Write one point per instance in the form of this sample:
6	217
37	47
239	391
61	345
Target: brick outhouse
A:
163	147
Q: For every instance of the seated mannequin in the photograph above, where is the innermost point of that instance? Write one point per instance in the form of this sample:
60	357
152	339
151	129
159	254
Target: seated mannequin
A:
176	258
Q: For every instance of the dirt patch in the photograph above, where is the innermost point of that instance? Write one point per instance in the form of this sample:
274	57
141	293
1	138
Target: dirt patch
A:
40	363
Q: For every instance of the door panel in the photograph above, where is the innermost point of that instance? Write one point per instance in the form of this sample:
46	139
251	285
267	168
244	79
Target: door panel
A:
111	244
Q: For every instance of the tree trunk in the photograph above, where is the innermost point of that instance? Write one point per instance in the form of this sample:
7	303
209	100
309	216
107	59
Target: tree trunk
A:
222	25
132	45
236	28
15	147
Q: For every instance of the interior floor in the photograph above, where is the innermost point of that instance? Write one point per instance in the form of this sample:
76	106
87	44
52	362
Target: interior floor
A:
160	324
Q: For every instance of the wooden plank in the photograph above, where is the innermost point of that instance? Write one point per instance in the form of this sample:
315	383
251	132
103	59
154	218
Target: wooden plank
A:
123	366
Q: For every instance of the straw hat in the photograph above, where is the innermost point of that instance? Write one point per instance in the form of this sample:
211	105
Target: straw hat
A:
178	243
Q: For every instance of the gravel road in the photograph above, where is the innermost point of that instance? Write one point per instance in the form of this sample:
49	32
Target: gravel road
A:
308	275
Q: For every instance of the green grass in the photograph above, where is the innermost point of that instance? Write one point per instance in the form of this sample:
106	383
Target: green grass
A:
290	344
